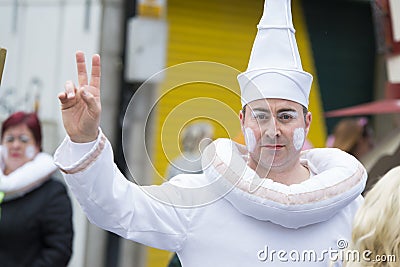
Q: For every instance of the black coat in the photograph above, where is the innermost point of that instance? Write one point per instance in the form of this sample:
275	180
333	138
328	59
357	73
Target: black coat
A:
36	229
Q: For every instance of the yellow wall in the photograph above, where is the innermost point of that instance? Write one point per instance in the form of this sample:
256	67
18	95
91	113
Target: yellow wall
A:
214	31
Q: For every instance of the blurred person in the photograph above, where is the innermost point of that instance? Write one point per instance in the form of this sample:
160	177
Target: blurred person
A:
353	135
36	214
375	236
194	139
251	202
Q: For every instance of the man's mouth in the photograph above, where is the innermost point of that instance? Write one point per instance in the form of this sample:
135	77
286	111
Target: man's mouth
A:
274	146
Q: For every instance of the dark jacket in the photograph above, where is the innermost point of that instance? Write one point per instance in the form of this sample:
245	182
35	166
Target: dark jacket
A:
36	229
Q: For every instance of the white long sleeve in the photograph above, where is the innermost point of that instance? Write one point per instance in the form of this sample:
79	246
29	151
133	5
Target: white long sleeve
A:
114	203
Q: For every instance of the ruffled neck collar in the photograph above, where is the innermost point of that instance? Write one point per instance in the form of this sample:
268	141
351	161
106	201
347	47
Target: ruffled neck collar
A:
338	179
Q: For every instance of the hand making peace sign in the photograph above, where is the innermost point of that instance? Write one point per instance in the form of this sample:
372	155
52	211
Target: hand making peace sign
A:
81	106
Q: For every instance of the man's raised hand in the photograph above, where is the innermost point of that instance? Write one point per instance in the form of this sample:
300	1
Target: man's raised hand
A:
81	107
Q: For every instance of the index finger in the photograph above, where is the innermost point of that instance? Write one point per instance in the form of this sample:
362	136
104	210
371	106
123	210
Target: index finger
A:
81	66
96	71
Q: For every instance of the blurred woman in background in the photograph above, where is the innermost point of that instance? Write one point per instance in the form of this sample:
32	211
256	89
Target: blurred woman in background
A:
36	214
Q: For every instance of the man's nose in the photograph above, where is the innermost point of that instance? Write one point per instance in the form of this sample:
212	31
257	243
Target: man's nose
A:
272	129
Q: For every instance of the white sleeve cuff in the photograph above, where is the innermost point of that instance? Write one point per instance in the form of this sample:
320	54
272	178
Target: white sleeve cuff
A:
79	150
73	157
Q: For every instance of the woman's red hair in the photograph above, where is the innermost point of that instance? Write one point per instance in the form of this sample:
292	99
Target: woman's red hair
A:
31	120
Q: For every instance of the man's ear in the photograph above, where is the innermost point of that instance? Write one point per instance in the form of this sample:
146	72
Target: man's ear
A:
241	118
308	122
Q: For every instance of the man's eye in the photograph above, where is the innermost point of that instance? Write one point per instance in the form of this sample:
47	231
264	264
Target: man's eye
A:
260	116
286	117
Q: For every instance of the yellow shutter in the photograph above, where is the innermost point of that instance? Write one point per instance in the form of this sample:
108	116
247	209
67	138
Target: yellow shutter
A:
214	31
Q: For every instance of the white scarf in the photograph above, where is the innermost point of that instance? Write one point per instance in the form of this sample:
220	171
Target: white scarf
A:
27	177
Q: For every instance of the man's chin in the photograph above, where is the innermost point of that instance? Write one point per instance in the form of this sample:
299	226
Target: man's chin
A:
271	162
266	164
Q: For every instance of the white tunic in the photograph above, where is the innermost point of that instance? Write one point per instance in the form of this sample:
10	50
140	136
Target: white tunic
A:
226	216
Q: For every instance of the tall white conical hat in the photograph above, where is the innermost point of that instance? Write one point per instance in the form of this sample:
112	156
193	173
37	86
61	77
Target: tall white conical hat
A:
275	69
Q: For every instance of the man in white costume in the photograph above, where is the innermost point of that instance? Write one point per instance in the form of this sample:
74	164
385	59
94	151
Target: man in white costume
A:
266	204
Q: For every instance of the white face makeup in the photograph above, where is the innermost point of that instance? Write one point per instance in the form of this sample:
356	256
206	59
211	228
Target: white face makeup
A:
250	139
4	153
298	138
30	151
